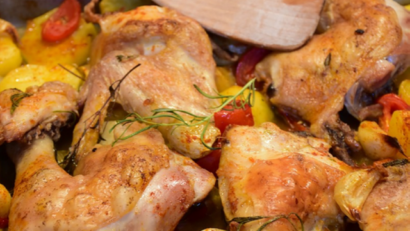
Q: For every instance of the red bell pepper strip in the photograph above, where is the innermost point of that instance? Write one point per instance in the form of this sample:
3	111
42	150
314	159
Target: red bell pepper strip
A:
390	102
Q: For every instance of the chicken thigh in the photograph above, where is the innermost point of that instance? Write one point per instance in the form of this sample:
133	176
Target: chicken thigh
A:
174	54
269	172
311	82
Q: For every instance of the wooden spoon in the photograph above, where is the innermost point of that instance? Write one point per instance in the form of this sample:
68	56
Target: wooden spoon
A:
274	24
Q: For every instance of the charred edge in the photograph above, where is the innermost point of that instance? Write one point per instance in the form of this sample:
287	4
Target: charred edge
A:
339	146
271	90
359	31
393	142
396	163
304	134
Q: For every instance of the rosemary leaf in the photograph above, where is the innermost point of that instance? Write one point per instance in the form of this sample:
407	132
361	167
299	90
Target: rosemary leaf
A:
71	72
328	59
271	221
16	99
396	162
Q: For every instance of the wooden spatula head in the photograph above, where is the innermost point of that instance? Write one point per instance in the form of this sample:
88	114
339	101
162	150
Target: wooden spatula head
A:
274	24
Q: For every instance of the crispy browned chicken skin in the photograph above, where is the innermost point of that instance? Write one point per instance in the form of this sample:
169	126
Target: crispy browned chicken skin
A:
174	52
311	82
269	172
137	184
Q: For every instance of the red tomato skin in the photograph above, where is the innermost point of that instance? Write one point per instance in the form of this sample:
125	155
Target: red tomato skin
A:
224	118
390	102
63	22
246	65
4	223
211	161
229	116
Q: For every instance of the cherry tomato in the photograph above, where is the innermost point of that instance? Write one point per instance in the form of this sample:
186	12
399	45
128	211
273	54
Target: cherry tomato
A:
227	116
247	63
211	161
63	22
295	124
230	115
390	102
4	223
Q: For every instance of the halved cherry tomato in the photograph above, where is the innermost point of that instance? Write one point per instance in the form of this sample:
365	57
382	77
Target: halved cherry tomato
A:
230	115
247	63
63	22
390	102
227	116
4	223
211	161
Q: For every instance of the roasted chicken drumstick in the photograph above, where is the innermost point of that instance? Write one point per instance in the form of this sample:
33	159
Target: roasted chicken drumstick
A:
136	184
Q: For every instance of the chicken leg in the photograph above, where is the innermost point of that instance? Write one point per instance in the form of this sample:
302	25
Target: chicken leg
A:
174	54
269	172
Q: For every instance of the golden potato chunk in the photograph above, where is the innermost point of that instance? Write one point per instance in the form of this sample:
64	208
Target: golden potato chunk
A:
376	144
30	74
5	200
10	56
72	50
400	129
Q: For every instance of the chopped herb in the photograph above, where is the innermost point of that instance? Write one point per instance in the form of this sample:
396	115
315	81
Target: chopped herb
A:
121	58
328	59
359	31
396	162
15	100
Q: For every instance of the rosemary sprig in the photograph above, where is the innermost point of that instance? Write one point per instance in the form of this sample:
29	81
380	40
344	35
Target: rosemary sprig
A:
243	220
178	116
92	122
16	99
82	76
